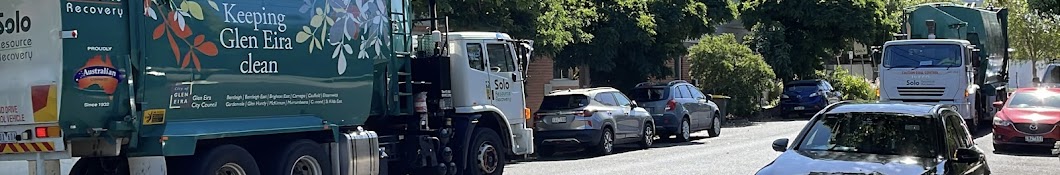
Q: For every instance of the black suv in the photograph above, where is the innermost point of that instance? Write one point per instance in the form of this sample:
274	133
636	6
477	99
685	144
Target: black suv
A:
881	138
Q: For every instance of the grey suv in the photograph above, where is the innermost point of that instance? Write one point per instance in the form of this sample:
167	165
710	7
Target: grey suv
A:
679	109
593	118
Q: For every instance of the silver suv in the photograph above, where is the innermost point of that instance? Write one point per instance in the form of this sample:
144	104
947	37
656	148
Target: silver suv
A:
679	108
593	118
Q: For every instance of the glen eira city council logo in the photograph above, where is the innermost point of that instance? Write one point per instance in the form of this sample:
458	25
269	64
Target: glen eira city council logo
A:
98	72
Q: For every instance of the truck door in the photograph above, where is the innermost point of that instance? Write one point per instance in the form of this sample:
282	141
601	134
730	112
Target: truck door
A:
505	81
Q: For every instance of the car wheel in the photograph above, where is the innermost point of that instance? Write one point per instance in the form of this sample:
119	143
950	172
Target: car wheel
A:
607	143
648	136
715	127
684	133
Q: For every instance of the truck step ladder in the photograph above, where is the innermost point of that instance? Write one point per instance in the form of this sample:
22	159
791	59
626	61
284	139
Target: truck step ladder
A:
401	66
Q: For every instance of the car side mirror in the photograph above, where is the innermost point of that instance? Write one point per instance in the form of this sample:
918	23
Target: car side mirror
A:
780	145
633	104
965	155
999	104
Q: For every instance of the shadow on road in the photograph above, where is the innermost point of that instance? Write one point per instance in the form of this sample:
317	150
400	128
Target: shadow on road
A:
581	153
983	130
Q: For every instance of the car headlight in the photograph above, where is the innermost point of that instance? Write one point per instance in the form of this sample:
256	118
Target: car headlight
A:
815	94
1001	122
784	96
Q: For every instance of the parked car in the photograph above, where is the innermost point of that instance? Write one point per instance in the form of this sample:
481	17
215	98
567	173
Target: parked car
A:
679	109
804	97
881	138
592	118
1028	118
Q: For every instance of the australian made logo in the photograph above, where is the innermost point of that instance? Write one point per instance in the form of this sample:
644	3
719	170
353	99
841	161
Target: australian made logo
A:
98	72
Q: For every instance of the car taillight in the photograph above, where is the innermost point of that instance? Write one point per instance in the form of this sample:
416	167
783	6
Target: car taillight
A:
671	105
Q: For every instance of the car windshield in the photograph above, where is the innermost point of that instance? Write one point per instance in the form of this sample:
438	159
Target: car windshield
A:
873	133
1035	99
648	94
922	55
561	102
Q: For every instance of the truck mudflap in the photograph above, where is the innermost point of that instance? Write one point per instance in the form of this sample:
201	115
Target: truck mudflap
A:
31	66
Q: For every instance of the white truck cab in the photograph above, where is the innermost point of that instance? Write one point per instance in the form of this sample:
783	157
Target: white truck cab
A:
488	78
930	71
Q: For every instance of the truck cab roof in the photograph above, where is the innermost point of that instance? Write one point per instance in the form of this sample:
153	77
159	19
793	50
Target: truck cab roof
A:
927	41
478	36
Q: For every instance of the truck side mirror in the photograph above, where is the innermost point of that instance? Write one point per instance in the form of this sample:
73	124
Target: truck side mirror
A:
975	58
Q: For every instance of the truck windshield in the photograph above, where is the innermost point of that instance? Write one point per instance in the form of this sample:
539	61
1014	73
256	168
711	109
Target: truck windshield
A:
922	55
561	102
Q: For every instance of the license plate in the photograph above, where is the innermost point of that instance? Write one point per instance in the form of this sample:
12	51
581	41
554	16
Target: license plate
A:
8	136
559	119
800	108
1034	139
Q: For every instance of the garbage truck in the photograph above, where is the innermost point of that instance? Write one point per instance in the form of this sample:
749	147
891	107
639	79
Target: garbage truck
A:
949	54
256	87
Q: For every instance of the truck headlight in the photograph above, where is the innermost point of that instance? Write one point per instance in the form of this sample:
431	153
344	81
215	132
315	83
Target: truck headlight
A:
1001	122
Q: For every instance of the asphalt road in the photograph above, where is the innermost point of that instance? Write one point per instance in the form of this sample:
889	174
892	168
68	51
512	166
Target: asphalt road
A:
740	150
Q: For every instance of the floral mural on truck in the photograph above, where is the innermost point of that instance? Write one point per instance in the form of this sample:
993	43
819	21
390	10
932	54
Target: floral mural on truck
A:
357	29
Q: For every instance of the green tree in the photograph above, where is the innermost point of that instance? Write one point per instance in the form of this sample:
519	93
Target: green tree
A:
633	39
816	29
553	24
1032	34
719	60
1045	6
626	40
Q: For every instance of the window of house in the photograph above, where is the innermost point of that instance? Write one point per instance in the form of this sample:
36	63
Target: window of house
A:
474	56
500	57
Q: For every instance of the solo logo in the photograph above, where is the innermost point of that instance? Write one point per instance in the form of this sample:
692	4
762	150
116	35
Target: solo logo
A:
98	72
14	24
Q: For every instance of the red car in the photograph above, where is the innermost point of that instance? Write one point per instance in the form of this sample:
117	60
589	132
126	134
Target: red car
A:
1029	117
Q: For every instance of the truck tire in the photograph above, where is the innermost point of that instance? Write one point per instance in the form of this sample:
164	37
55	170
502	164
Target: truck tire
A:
486	153
304	157
87	166
224	159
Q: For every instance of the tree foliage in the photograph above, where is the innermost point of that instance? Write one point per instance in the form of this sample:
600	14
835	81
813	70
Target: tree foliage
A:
629	40
634	39
815	29
1031	33
851	86
726	67
1045	6
553	24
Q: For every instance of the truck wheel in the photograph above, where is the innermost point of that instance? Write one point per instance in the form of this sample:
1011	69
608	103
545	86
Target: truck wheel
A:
302	157
87	166
486	153
225	159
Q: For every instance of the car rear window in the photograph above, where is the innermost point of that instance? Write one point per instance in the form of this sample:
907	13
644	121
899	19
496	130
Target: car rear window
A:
560	102
802	88
649	94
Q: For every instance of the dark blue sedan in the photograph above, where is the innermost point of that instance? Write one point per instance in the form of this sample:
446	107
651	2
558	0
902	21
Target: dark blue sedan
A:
807	97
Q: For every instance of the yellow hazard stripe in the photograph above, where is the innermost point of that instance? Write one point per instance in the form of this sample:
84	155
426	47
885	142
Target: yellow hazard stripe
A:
7	148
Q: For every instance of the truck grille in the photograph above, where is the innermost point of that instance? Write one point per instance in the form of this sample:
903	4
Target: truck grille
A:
1031	128
922	91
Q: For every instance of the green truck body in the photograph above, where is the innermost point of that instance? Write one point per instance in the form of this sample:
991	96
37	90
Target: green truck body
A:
177	78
